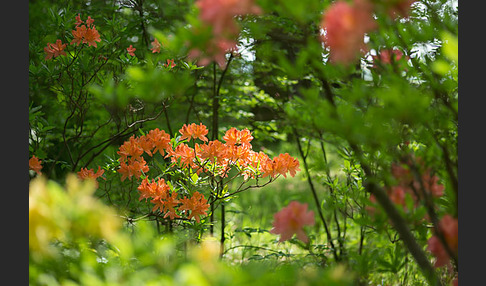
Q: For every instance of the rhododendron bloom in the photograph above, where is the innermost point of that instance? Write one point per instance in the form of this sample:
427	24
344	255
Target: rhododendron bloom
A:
55	50
183	154
280	165
196	204
130	148
153	190
169	64
449	228
90	174
167	205
78	20
89	21
160	140
35	164
91	37
290	220
78	35
214	151
235	137
237	153
85	34
194	131
131	50
135	167
345	26
156	46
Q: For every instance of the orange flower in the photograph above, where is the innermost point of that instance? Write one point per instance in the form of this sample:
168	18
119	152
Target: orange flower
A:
131	51
197	205
78	20
91	36
345	25
86	35
130	148
194	131
183	154
167	205
292	164
254	160
236	137
35	165
78	35
135	167
237	152
170	63
291	220
89	21
280	165
156	46
160	140
155	190
146	144
85	174
55	50
214	151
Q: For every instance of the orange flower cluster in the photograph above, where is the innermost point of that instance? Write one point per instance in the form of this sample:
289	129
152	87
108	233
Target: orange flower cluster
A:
131	161
35	165
408	185
85	34
166	201
55	50
194	131
213	157
220	16
86	174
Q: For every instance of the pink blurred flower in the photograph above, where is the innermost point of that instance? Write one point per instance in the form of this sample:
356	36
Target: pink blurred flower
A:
156	45
291	219
449	227
215	50
387	56
219	16
345	26
220	13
